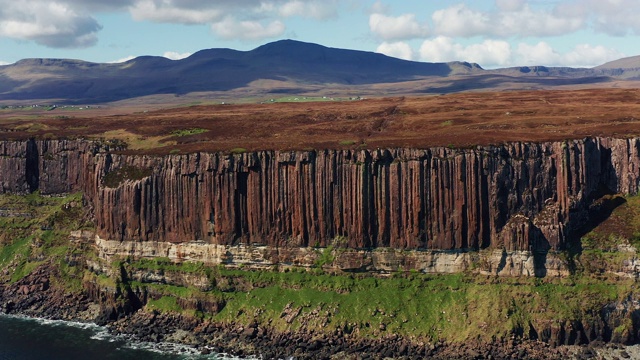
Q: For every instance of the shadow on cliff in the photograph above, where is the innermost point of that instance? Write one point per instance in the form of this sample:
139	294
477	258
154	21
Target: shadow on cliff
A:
599	211
541	248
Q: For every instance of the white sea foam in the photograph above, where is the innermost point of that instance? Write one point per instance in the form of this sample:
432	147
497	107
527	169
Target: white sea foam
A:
75	324
185	351
101	333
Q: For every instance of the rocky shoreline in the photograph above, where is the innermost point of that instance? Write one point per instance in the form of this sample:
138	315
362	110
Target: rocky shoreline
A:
35	296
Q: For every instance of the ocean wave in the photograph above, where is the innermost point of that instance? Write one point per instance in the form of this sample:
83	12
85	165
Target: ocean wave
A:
186	352
50	322
127	342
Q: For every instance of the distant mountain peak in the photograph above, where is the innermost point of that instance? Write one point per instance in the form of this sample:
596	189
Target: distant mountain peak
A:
288	44
296	66
52	62
291	48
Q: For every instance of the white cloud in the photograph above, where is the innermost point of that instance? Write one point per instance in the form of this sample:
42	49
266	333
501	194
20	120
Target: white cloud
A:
489	53
171	12
612	17
459	20
2	63
175	55
401	27
312	9
230	28
50	24
98	5
494	52
379	8
207	12
588	55
583	55
71	23
511	5
400	50
497	53
234	19
516	20
538	54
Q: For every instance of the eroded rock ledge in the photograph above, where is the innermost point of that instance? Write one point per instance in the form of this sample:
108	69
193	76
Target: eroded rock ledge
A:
381	261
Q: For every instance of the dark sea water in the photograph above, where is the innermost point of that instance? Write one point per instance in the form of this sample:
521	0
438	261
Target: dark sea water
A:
33	339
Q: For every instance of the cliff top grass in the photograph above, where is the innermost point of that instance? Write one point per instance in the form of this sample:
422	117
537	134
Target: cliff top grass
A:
454	120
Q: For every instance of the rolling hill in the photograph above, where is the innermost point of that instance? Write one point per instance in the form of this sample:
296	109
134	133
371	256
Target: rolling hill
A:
296	67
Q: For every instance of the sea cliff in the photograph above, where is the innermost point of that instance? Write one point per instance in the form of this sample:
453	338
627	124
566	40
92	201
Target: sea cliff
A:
299	251
531	197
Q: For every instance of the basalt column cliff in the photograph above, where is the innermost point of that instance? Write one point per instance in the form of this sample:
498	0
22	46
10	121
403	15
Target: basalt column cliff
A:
517	197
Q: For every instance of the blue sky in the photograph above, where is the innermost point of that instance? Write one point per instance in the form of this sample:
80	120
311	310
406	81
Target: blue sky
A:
493	33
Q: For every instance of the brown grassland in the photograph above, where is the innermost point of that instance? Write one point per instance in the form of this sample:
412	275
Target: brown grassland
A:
460	120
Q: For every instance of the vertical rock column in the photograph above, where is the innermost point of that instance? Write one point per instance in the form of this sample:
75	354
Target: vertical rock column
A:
518	196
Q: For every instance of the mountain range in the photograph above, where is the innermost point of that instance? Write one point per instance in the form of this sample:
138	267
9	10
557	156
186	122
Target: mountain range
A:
285	66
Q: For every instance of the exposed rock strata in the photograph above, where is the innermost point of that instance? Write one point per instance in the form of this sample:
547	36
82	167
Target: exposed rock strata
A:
383	261
516	197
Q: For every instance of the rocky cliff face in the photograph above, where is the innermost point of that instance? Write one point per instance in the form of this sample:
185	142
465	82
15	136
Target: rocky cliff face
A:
380	261
51	167
517	196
